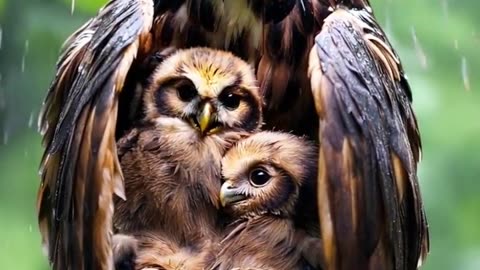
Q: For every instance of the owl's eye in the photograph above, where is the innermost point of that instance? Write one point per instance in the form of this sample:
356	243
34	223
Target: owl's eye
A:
186	92
230	100
259	177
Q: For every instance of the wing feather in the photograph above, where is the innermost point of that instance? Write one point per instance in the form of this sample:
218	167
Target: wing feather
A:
80	169
369	201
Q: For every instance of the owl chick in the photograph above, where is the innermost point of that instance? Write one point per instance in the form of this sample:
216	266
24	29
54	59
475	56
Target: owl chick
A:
198	103
263	176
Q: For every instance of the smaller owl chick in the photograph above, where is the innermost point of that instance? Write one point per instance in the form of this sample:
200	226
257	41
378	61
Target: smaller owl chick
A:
263	178
197	104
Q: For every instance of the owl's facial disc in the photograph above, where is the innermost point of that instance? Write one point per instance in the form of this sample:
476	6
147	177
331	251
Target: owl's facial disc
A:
212	91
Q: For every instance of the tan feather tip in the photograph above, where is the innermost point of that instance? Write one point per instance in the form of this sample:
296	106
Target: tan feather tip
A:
45	248
42	125
119	187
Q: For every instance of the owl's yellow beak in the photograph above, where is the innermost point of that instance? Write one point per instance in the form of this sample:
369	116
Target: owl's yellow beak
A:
206	118
230	194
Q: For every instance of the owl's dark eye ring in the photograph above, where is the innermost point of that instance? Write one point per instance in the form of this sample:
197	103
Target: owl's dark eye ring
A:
186	92
230	100
259	177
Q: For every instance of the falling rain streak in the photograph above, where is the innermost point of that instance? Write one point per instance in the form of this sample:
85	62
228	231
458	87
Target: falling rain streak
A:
445	9
465	77
30	119
25	51
5	136
73	6
1	34
388	24
419	50
476	37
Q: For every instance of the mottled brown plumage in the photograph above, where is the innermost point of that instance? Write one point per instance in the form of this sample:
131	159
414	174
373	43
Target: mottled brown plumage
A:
154	250
198	103
263	178
326	70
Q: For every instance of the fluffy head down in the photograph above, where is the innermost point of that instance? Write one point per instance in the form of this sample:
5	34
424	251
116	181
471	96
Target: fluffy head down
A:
210	89
264	173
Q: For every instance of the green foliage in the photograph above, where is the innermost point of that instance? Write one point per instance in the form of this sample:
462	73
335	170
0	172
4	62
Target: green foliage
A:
447	114
85	6
20	243
2	5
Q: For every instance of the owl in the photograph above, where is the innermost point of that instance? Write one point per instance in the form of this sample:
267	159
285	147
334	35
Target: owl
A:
264	175
325	69
198	102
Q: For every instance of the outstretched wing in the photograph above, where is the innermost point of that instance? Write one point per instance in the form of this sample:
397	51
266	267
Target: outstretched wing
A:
371	213
80	169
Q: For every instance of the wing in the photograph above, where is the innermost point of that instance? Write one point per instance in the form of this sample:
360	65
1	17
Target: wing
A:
371	212
80	169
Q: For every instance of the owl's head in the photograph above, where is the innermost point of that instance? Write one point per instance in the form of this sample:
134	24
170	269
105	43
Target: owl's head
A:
264	173
212	90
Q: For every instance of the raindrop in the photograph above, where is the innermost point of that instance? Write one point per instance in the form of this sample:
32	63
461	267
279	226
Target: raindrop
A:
388	24
465	77
80	69
5	136
419	50
455	44
445	9
73	6
24	55
324	66
30	120
1	34
30	228
475	37
3	104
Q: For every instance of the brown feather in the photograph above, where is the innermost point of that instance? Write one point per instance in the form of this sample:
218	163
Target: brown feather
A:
154	200
157	252
361	98
80	171
264	243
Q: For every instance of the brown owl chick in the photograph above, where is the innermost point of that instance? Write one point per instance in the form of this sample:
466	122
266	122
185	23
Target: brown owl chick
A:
153	250
198	102
263	178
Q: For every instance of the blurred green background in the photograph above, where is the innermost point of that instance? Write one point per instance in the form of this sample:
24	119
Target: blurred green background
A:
439	44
